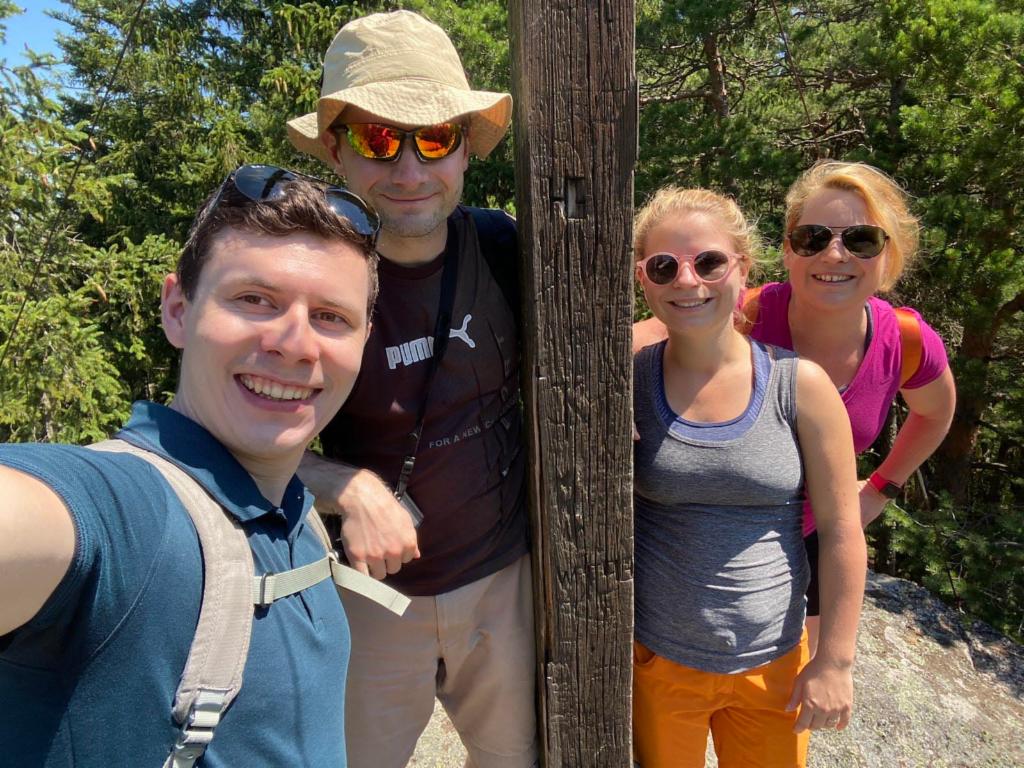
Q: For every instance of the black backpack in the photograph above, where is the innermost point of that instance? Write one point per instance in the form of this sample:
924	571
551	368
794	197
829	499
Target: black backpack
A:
499	245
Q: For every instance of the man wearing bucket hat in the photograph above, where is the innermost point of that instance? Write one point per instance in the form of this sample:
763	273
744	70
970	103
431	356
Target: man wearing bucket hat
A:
432	431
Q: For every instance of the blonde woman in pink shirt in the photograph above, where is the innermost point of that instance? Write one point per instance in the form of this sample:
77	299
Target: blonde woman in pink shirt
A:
850	235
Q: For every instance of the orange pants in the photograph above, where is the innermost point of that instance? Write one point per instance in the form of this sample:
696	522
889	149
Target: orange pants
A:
675	706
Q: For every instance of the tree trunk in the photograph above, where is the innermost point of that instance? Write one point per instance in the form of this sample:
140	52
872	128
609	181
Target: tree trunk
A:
972	364
878	533
718	96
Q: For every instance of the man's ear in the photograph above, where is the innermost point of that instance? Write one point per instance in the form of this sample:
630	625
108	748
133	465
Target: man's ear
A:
329	140
173	306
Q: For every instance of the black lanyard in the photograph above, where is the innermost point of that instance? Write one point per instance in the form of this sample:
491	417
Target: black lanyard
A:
442	327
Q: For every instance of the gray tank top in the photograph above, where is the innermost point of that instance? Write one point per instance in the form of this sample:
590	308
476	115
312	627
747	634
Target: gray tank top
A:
720	563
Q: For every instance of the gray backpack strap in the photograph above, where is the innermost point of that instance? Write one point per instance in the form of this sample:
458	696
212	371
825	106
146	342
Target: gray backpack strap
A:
348	578
220	647
273	586
314	521
216	661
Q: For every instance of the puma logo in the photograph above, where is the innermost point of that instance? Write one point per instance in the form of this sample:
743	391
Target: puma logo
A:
462	333
420	349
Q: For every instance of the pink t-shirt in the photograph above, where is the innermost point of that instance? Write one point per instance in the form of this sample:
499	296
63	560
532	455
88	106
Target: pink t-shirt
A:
874	386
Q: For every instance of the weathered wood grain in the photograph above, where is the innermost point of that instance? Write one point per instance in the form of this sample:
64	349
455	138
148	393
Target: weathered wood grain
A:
576	127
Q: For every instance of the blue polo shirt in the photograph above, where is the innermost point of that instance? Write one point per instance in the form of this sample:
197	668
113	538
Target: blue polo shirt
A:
90	680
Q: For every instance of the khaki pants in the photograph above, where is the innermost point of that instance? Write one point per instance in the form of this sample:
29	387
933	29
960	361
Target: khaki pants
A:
472	648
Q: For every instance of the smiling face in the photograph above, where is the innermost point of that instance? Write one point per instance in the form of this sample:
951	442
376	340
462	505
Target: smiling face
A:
834	278
271	341
414	198
687	304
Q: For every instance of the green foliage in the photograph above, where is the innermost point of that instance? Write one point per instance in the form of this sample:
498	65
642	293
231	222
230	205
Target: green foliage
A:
57	380
974	559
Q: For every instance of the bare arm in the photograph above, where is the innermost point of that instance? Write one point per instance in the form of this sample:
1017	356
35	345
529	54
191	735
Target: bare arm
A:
377	532
931	413
647	332
37	543
824	689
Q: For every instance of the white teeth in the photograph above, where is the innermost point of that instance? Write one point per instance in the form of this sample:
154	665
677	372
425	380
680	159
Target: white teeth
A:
689	304
271	390
833	278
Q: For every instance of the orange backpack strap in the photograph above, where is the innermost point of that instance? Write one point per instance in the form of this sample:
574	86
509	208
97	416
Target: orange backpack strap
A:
750	308
911	344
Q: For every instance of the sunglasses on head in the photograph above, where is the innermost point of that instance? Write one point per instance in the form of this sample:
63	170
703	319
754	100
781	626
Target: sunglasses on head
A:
377	141
708	266
865	241
268	182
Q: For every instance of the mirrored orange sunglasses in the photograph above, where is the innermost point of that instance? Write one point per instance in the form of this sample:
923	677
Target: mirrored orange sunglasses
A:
377	141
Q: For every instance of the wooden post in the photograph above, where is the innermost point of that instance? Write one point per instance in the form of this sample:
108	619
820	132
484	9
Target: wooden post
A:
576	131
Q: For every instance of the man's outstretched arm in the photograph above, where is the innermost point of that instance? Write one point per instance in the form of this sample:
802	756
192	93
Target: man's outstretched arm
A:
37	543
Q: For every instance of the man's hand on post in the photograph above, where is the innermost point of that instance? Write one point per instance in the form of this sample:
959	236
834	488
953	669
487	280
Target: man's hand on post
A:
377	532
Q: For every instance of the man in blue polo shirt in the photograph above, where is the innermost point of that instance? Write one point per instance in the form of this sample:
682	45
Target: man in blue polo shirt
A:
102	570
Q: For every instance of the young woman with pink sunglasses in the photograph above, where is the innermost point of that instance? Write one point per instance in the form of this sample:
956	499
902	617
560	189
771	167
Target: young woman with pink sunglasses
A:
732	433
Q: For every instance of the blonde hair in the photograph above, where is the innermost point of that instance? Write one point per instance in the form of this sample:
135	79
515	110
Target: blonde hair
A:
676	201
886	201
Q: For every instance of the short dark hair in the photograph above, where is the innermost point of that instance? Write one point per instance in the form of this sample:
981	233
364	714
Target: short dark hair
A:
302	209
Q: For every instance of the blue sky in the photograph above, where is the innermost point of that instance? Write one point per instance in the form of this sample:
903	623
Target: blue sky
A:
33	27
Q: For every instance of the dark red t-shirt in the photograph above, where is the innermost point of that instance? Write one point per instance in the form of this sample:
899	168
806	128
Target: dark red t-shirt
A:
469	475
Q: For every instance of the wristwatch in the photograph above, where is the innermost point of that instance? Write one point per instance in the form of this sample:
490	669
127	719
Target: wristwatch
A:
884	486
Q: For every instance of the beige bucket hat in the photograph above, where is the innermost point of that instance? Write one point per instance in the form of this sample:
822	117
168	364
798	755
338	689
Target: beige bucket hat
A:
403	69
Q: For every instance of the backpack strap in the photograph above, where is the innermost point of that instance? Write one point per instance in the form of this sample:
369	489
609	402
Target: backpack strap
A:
220	647
499	245
273	586
750	309
348	578
911	344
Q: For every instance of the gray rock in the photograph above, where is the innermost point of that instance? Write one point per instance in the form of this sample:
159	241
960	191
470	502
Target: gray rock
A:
933	690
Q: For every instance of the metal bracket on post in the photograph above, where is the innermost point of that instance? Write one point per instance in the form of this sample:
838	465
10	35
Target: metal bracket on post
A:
572	199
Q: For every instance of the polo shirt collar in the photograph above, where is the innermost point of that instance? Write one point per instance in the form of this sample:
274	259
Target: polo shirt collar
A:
190	446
